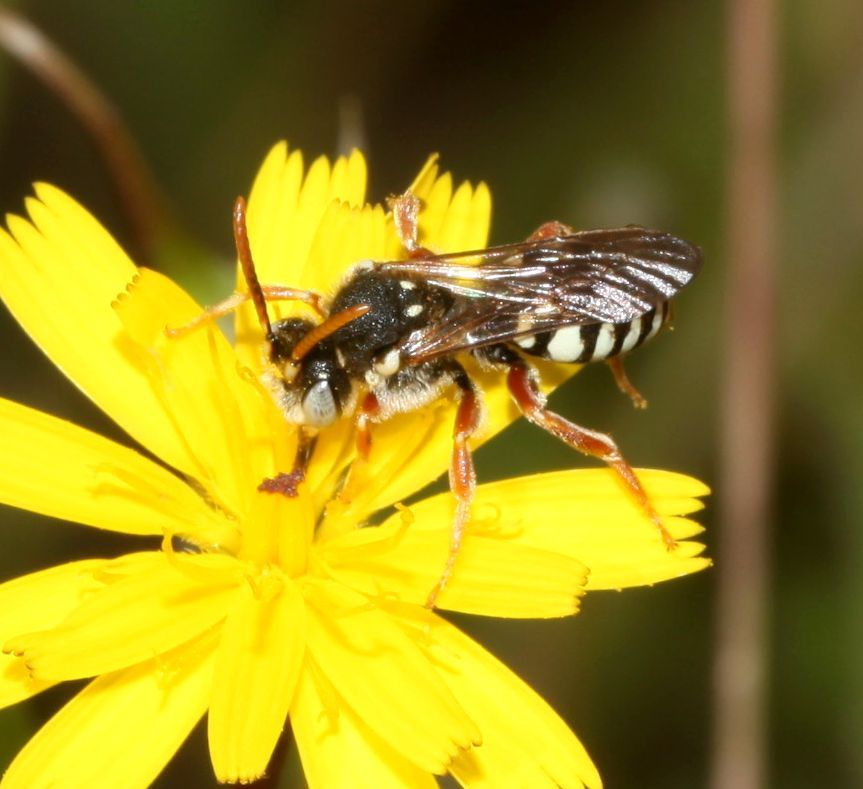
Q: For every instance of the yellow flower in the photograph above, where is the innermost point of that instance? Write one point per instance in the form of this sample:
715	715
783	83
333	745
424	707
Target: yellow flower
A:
256	608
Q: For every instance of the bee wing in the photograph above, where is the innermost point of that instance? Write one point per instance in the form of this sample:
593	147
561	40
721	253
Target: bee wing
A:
608	276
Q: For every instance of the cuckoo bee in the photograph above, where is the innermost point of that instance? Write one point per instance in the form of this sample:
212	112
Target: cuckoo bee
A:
390	338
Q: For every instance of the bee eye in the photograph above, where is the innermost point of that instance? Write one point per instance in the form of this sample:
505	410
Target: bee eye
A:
319	405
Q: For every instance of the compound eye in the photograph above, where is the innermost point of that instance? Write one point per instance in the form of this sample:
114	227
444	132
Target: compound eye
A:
319	405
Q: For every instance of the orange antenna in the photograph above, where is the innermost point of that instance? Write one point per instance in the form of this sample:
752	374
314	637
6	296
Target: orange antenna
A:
244	252
328	327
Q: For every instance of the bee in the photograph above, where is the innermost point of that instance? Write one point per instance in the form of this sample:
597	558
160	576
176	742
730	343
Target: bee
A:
390	339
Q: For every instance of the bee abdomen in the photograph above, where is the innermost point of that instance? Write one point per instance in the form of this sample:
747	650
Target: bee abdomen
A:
594	342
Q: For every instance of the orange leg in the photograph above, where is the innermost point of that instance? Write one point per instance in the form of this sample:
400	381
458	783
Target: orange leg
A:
406	210
553	229
522	384
365	414
257	294
462	476
624	384
228	305
356	477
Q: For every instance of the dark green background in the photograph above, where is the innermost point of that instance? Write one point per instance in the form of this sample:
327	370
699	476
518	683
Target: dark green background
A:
593	113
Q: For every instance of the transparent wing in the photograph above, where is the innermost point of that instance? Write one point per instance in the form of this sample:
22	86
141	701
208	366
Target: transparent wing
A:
608	276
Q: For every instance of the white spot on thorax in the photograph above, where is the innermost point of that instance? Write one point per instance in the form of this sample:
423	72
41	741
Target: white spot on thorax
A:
527	342
389	364
407	284
566	344
413	310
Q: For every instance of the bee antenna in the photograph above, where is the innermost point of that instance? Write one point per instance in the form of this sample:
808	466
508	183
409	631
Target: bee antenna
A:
244	252
328	327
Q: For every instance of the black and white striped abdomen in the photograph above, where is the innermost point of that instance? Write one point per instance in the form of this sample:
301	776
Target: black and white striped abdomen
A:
594	342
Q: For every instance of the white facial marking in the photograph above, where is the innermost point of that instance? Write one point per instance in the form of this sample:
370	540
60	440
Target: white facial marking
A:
407	284
604	342
319	405
389	365
631	336
289	371
413	310
566	344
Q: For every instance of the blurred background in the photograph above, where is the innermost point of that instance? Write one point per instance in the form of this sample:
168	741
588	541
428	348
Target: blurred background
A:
597	114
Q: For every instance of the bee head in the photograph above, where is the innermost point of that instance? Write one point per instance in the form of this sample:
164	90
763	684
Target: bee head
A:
315	389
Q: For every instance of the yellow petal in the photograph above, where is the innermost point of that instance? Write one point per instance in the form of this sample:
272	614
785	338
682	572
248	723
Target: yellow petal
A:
524	742
53	467
224	417
466	223
345	236
39	600
147	607
122	729
338	750
272	203
434	212
257	667
492	577
59	280
285	210
426	177
334	451
348	182
382	676
589	515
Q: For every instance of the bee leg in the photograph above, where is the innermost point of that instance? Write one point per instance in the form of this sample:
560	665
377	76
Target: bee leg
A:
406	209
288	484
356	476
228	305
365	414
553	229
615	363
522	383
462	477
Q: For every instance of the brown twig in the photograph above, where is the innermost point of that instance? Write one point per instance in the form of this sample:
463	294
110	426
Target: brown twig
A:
133	181
746	479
